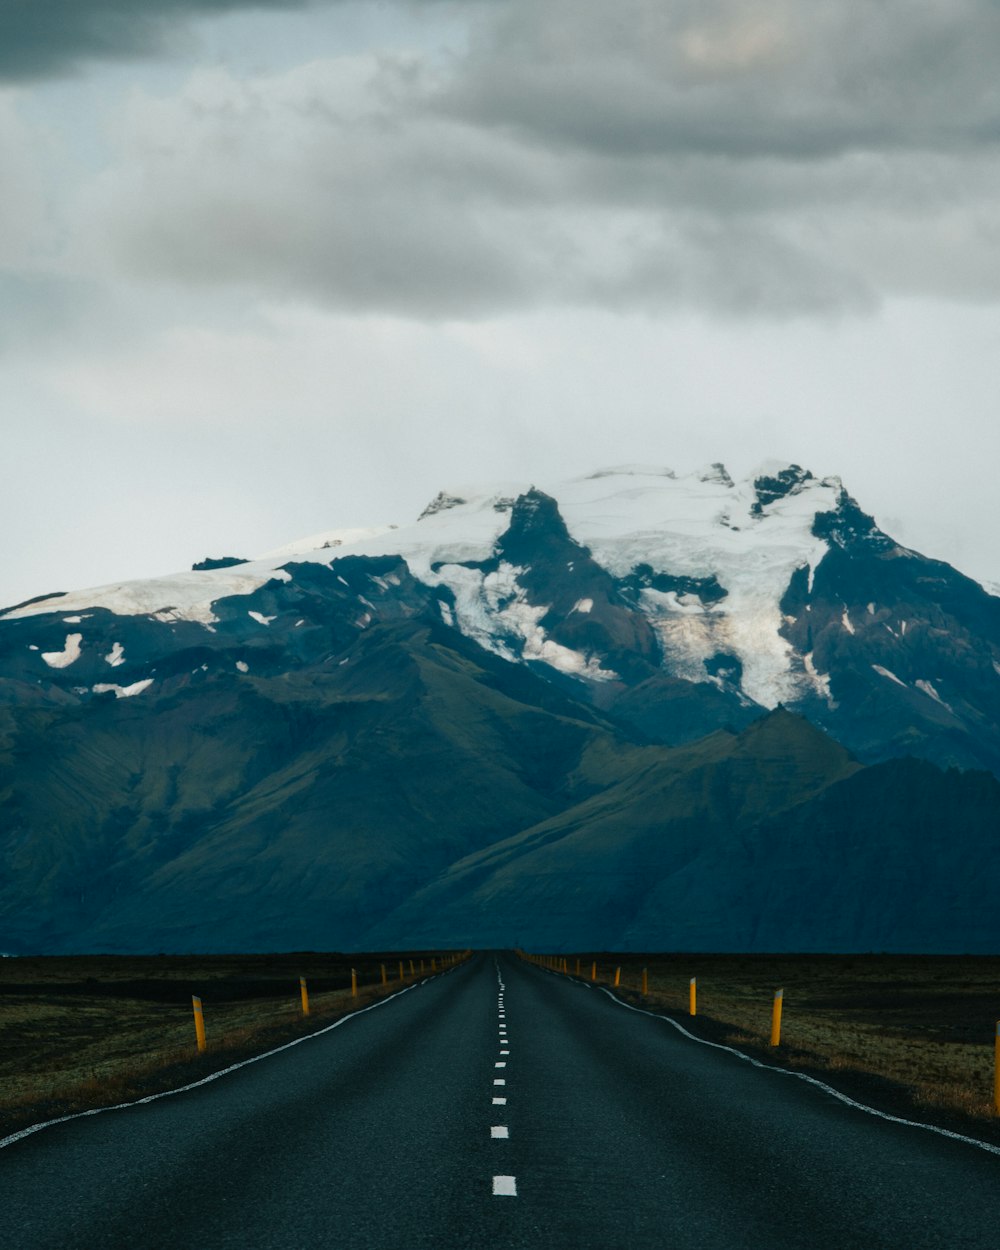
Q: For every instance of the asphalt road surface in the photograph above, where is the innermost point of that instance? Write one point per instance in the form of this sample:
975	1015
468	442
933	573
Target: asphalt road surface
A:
497	1106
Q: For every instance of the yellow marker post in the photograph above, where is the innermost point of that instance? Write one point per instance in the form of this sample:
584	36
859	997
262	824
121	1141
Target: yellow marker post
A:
354	982
385	975
693	997
996	1070
305	995
593	971
199	1022
402	974
578	967
776	1018
434	966
645	982
618	977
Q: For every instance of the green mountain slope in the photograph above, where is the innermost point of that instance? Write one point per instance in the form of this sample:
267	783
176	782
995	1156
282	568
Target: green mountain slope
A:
412	789
589	869
770	840
280	812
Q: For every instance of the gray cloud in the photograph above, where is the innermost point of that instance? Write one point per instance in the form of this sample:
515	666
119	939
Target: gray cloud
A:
43	38
752	158
736	78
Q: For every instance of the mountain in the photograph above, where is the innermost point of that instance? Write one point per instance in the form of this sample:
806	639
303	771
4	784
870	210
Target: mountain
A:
770	840
283	811
562	713
676	604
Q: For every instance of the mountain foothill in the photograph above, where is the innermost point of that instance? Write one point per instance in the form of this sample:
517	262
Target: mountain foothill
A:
636	711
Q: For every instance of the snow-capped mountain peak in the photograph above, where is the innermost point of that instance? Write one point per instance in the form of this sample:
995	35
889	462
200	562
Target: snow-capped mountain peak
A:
776	588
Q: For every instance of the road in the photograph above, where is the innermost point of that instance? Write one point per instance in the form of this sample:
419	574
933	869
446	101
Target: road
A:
606	1128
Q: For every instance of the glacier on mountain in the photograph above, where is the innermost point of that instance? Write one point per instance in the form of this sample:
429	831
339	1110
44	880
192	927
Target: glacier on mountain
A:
749	536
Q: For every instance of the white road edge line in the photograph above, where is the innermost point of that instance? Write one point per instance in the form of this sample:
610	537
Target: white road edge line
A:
505	1186
214	1076
498	1131
801	1076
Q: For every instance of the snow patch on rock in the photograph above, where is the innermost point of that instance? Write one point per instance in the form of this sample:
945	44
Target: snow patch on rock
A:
493	610
67	656
928	689
884	672
820	681
123	692
116	655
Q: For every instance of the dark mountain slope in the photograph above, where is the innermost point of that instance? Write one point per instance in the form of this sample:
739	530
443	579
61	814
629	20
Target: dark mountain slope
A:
279	812
770	840
899	857
586	871
911	647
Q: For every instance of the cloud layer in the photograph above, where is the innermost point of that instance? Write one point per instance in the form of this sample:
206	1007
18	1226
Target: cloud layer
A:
311	263
754	159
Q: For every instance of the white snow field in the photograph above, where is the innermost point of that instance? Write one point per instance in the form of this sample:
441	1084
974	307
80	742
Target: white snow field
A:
698	525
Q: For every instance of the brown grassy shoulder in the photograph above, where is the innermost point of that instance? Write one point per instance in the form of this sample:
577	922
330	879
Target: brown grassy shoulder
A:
89	1031
910	1034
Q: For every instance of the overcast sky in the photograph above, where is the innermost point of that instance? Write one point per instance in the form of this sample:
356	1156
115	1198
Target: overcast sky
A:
272	268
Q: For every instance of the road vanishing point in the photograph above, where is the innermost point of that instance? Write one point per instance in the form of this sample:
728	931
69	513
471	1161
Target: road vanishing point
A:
497	1106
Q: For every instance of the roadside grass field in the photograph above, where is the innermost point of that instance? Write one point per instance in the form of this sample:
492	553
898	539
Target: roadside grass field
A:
913	1034
78	1032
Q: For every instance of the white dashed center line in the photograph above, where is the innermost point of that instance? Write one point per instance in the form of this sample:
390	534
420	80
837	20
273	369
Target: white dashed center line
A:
503	1186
